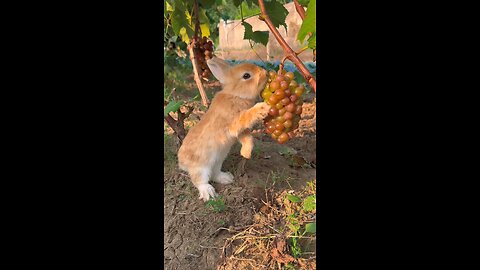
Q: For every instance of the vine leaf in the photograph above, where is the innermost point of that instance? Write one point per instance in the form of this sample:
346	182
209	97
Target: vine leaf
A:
205	28
304	3
180	23
168	7
311	227
309	203
204	23
293	198
257	36
309	24
312	41
237	2
206	3
277	13
172	107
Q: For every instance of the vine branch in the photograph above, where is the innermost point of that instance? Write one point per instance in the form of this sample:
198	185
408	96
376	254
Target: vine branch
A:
191	50
299	9
289	53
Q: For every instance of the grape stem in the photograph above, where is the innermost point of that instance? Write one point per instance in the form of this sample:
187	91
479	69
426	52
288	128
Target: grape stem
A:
289	53
282	62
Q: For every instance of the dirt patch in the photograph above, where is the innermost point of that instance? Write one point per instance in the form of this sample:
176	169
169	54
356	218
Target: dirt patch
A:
194	234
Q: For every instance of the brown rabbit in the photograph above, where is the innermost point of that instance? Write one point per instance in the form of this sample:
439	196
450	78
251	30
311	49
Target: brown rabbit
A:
231	113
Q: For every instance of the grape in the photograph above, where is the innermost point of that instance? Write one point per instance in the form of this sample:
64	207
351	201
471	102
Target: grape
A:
274	85
284	95
299	90
266	94
291	107
273	111
298	110
285	101
203	51
287	115
280	94
293	97
279	126
273	100
277	132
289	75
293	85
280	119
288	123
271	128
283	138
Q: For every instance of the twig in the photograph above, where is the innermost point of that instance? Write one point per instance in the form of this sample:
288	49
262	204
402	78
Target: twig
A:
289	51
299	9
208	247
196	76
196	68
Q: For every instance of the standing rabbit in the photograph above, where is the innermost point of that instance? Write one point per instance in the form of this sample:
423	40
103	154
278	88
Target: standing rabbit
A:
231	114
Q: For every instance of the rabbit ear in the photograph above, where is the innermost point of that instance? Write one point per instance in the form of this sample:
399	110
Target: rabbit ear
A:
219	69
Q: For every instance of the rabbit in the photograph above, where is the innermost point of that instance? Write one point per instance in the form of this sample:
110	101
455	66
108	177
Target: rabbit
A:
232	112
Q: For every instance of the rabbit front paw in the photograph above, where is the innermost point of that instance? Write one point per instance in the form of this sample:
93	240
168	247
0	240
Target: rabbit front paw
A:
262	109
206	192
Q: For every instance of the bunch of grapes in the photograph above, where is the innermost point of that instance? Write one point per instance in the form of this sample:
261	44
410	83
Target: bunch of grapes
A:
284	95
203	51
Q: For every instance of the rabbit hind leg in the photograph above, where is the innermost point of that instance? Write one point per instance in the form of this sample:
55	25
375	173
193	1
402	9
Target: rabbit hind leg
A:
200	177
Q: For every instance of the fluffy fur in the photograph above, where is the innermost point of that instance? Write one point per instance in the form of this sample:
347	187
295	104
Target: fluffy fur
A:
232	112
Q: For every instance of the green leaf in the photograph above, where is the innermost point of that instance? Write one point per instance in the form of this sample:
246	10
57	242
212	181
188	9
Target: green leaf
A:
293	198
172	106
250	2
206	3
257	36
311	227
309	23
168	6
312	41
304	3
237	2
277	13
180	21
309	204
205	28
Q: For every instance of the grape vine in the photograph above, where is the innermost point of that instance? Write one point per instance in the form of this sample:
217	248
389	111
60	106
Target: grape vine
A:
191	26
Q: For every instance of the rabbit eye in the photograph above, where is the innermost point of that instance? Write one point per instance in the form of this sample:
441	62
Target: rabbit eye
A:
246	76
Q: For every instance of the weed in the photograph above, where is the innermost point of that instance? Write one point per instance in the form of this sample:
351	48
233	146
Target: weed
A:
256	150
300	207
279	177
216	204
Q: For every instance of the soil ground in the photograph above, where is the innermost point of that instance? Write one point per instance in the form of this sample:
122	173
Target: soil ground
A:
195	234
